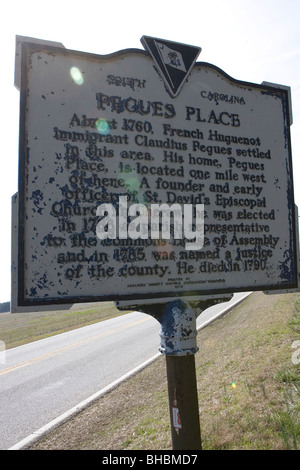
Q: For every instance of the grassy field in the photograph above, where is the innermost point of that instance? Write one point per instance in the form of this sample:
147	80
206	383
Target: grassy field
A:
248	389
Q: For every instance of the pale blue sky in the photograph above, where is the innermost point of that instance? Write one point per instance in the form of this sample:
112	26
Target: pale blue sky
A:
251	40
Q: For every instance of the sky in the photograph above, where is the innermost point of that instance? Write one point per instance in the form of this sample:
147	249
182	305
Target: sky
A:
251	40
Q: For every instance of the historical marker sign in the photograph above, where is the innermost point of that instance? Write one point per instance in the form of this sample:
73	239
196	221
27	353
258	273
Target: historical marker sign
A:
118	130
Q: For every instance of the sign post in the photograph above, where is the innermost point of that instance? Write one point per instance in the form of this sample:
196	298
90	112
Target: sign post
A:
179	345
183	403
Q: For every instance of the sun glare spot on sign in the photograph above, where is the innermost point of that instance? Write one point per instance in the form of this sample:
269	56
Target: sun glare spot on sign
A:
102	126
76	75
165	248
132	184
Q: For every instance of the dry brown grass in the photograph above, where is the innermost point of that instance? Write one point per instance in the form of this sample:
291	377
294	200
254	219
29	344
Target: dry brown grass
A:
250	347
20	328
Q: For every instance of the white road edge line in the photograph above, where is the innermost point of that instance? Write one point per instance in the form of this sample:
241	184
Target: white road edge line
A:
76	409
225	310
35	436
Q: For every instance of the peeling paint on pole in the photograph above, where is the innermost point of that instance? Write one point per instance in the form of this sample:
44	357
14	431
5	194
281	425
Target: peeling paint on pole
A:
178	329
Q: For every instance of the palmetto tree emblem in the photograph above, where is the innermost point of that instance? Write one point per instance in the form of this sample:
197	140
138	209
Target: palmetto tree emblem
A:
173	60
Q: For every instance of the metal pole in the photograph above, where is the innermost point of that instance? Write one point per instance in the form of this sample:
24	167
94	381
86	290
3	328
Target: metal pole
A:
179	344
183	403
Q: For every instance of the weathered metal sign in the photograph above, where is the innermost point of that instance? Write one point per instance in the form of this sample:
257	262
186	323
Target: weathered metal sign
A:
106	140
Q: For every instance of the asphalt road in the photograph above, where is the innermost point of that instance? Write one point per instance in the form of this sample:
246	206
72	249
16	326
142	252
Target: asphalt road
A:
42	380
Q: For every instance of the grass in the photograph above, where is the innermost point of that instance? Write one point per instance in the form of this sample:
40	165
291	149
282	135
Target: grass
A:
254	351
248	390
20	328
